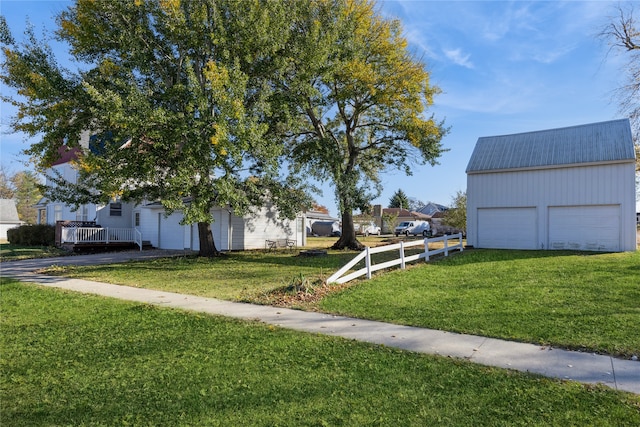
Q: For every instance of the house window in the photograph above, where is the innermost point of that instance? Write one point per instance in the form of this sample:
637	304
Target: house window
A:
82	213
42	216
115	209
136	219
57	213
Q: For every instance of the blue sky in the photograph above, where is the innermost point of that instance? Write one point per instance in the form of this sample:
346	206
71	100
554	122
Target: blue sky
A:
503	67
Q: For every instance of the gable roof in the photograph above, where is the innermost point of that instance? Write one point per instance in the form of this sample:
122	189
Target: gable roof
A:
9	212
591	143
66	154
432	208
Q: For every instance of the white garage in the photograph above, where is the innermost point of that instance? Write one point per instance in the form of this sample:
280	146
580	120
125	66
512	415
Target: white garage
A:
585	227
502	227
569	188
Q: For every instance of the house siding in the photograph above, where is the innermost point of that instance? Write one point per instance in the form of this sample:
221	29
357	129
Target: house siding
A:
594	185
230	232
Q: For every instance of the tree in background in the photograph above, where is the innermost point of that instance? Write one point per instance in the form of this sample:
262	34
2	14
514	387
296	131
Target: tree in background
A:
415	204
24	187
623	34
27	194
6	188
176	93
399	200
456	216
353	103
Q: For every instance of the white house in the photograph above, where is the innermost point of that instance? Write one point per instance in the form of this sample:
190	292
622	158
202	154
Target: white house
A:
568	188
230	232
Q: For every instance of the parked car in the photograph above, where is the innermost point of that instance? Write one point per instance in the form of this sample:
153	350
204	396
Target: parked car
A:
413	228
370	228
326	228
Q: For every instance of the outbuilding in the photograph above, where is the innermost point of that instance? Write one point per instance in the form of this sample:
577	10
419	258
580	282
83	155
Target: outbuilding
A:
567	188
8	217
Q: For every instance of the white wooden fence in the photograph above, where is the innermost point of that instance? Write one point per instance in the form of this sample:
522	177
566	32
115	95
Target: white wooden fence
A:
90	235
338	277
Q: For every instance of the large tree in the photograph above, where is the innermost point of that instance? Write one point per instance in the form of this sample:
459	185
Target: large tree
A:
399	200
622	32
175	92
355	102
24	187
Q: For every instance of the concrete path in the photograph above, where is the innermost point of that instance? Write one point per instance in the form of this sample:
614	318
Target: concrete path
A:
577	366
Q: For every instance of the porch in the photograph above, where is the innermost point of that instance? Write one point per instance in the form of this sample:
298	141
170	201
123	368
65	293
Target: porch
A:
87	235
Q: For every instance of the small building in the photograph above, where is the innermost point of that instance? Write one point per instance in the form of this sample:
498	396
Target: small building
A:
8	217
568	188
152	226
319	216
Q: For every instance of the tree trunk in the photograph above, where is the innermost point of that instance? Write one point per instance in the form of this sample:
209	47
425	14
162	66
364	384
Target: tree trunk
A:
348	238
207	245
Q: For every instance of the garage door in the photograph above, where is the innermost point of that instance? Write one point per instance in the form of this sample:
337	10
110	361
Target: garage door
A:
591	228
507	228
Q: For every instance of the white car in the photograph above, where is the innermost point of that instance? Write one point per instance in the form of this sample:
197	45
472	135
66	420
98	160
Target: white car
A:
413	227
370	228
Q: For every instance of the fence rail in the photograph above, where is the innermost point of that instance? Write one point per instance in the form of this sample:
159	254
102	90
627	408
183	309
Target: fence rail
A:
340	277
90	235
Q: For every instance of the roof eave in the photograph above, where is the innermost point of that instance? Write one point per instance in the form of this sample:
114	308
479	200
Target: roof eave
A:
561	166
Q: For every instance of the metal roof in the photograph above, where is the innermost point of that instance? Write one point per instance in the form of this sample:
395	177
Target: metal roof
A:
591	143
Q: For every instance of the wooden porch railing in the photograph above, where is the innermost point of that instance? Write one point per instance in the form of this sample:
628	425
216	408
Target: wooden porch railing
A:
88	235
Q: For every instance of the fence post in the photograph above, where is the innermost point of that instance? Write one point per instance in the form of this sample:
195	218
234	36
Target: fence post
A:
368	262
446	245
426	249
402	254
106	231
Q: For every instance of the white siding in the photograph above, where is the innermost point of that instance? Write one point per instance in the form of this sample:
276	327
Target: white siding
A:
514	228
612	184
171	233
149	225
591	228
263	224
229	231
104	218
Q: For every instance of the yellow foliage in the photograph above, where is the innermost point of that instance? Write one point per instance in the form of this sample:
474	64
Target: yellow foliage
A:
217	76
115	195
170	6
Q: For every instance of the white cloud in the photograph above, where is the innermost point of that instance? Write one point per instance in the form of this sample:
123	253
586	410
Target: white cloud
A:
459	58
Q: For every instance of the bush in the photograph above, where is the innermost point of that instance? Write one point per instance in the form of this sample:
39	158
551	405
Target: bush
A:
32	235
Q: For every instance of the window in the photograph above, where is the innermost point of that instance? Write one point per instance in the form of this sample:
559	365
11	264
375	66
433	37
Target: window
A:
42	216
57	213
115	209
82	213
136	219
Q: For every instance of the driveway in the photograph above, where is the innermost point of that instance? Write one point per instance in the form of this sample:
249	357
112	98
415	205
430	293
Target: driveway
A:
21	267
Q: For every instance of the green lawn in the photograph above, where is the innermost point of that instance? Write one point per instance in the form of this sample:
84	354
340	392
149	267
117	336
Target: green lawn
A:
566	299
72	359
10	252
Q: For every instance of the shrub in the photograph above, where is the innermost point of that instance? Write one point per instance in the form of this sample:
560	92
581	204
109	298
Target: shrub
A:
32	235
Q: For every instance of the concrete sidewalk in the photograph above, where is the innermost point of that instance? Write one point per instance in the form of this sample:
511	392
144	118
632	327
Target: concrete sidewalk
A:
583	367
